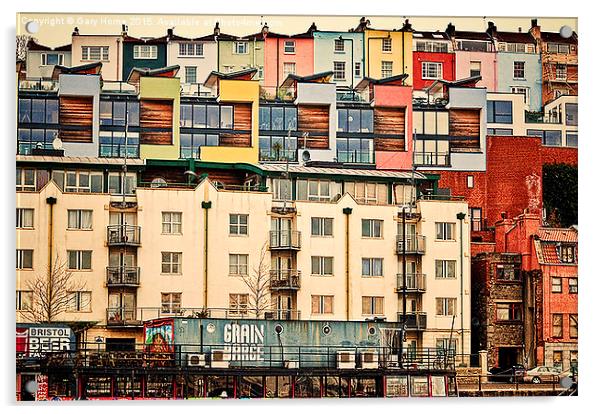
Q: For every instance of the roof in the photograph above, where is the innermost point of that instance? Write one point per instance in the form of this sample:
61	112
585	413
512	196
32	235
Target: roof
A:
547	242
569	235
245	74
386	174
472	36
32	45
470	81
154	40
93	68
322	77
77	160
515	37
166	72
431	35
554	37
395	79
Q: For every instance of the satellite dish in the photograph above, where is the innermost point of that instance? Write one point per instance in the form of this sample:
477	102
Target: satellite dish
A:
306	156
158	182
57	143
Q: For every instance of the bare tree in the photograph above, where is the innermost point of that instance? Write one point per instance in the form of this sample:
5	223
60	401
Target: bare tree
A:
258	282
22	41
52	293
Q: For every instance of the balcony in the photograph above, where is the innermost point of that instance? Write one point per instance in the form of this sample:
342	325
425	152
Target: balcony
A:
415	282
124	316
123	235
39	85
123	276
414	321
285	240
285	279
355	157
432	159
415	244
542	118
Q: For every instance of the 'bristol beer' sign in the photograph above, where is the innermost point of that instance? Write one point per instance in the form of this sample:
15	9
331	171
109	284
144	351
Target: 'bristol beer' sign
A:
36	341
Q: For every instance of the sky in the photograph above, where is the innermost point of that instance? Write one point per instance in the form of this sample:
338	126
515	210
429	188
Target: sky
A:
55	28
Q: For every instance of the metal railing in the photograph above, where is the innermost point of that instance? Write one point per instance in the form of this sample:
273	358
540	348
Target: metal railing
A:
285	279
414	244
285	239
432	158
506	382
414	321
123	276
39	85
195	89
542	118
117	87
357	157
123	234
415	282
276	93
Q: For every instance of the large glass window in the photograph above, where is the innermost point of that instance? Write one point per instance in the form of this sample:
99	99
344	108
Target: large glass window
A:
355	120
28	139
206	116
113	113
277	148
499	112
277	118
550	138
113	144
191	143
571	113
38	111
355	150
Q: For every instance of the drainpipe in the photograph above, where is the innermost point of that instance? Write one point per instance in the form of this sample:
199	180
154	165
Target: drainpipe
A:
461	217
206	205
51	201
347	211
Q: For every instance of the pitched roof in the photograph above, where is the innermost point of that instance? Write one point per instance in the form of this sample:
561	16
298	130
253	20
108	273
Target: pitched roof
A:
343	171
418	35
548	240
32	45
167	72
472	35
245	74
515	37
322	77
554	37
93	68
569	235
395	80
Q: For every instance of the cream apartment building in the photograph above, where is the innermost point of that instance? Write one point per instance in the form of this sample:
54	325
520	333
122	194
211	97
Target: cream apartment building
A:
188	251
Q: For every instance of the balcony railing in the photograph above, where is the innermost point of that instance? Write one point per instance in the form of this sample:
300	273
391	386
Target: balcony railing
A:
414	321
134	316
414	244
355	157
123	276
282	279
123	235
415	282
286	239
39	85
542	118
432	159
117	87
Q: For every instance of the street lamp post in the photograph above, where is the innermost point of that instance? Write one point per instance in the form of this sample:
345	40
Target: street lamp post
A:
460	216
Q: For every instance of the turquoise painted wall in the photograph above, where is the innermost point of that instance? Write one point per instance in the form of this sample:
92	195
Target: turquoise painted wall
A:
532	80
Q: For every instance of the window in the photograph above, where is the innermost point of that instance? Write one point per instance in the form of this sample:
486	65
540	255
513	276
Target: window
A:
239	264
339	45
355	120
372	266
571	140
573	326
557	359
289	46
241	48
322	265
239	303
567	253
549	138
322	304
190	144
432	70
426	46
445	346
386	45
372	228
190	74
475	68
171	263
30	139
313	190
26	179
557	325
386	69
560	71
24	259
470	181
50	59
95	53
171	222
25	218
499	131
476	223
115	113
509	311
321	226
572	285
558	48
38	111
507	273
445	269
171	302
145	52
191	49
281	189
80	259
446	306
24	299
206	116
519	70
521	90
79	181
79	219
556	285
259	72
239	224
79	301
357	71
445	231
571	110
277	148
339	70
289	68
373	305
116	182
277	118
499	112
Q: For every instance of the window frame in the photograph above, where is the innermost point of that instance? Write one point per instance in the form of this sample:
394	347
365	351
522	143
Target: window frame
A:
556	284
103	53
171	223
373	305
20	218
241	267
245	47
573	285
557	329
21	261
373	267
79	219
518	70
446	304
339	74
445	231
174	262
387	45
573	326
79	260
442	268
321	226
145	52
241	302
428	66
238	226
375	228
319	263
322	304
77	298
384	72
171	302
20	295
287	43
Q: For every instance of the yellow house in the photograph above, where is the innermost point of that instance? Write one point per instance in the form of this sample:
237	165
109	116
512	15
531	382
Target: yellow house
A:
388	53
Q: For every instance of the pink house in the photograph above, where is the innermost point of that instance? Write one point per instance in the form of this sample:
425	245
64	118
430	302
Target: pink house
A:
286	54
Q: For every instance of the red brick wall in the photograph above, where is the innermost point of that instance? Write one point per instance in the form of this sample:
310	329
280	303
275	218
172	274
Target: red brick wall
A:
564	303
558	155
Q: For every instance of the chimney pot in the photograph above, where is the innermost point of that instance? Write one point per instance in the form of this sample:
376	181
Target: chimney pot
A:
170	32
533	22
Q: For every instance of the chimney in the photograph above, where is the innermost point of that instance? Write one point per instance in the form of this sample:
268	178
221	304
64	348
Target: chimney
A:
501	230
170	32
451	30
265	30
535	29
216	30
75	32
407	26
312	28
124	30
533	23
491	29
520	29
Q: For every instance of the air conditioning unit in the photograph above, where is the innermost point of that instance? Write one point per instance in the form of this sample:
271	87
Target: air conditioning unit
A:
291	364
196	360
345	359
219	359
368	359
